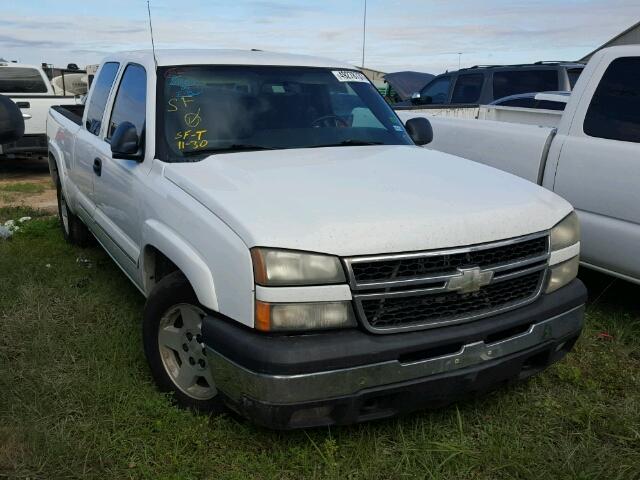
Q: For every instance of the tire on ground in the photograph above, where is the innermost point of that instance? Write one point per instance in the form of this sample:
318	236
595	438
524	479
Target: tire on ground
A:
170	295
74	231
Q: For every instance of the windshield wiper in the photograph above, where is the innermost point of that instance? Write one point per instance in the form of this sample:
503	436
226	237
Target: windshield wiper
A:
350	142
236	147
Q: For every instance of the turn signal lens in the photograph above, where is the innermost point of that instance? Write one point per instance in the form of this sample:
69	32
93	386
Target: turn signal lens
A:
280	317
562	274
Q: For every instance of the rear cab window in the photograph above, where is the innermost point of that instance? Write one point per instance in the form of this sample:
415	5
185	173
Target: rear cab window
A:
21	80
468	88
614	111
513	82
99	96
519	102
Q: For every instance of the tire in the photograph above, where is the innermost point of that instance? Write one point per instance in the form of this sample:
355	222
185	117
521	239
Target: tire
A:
173	346
74	231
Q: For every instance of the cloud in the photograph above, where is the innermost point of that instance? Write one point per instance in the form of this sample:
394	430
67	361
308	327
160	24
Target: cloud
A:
401	34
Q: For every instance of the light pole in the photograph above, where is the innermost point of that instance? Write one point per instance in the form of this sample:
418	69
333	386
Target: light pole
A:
364	31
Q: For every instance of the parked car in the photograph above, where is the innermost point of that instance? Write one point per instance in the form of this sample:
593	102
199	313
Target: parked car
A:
535	100
483	84
306	267
29	87
591	158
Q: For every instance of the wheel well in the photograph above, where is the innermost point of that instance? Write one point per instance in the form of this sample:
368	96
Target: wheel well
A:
53	168
156	266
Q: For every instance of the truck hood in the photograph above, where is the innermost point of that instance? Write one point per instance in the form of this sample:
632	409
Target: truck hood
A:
365	200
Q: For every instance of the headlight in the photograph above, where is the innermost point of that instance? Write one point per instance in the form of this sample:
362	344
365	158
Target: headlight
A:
272	267
565	233
273	317
563	273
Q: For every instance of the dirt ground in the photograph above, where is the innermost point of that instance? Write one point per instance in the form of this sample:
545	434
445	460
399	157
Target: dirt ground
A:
26	182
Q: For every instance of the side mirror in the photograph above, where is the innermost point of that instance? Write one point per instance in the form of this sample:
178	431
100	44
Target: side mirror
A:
415	98
125	142
11	121
420	131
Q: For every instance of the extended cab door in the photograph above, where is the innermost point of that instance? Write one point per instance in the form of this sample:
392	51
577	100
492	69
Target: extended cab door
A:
81	172
117	181
599	167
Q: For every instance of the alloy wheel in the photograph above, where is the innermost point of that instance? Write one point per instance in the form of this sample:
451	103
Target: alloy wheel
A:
183	353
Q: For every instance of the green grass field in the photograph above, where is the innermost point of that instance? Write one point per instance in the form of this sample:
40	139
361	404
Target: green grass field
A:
76	397
22	187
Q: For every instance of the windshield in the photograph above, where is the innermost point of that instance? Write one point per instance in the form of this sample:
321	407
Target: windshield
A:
220	109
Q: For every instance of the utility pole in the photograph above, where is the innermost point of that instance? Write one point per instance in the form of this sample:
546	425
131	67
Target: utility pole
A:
364	31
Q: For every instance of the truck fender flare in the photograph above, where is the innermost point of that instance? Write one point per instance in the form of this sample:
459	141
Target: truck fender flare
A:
169	242
55	163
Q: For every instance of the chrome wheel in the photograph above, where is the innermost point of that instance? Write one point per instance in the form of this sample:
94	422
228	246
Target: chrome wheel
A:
182	351
64	213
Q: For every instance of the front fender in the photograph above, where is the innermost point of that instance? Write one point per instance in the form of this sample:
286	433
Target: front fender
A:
184	256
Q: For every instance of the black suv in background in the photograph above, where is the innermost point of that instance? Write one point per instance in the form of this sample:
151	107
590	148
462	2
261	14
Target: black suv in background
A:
483	84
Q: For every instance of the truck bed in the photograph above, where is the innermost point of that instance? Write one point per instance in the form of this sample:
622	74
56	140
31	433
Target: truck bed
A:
72	112
492	143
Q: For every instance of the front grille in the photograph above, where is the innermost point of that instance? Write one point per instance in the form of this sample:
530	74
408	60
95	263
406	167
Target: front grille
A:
413	267
435	288
404	311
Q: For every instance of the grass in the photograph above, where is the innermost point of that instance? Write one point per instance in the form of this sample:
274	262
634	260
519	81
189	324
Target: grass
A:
77	399
13	192
23	187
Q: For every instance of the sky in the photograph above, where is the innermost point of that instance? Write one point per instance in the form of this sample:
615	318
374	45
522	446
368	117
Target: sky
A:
421	35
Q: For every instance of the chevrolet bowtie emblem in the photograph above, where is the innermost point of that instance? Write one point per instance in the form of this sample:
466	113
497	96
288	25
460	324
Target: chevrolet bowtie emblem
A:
469	280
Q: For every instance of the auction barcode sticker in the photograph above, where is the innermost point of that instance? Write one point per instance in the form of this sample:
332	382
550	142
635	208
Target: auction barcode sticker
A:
350	76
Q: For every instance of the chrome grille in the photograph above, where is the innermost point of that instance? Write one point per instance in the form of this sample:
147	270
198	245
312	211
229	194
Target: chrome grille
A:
414	291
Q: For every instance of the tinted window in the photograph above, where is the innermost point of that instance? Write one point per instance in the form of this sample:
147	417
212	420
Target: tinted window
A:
573	74
468	88
129	104
519	102
438	90
531	102
21	80
614	111
99	95
523	81
549	105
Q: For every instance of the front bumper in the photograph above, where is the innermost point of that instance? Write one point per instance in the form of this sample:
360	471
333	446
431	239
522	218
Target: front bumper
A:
350	376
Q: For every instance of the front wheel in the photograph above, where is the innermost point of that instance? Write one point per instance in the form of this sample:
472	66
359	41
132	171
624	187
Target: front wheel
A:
172	336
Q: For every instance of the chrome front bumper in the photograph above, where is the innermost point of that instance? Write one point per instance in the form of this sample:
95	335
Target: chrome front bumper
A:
237	382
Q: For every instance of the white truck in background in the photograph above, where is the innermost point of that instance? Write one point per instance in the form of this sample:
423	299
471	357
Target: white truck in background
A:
30	89
592	158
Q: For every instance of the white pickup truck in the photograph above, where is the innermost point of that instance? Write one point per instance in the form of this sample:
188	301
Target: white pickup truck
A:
304	262
592	158
29	87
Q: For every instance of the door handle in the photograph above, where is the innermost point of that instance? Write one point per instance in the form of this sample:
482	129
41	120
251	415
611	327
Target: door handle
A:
23	104
97	166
